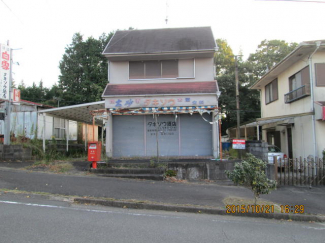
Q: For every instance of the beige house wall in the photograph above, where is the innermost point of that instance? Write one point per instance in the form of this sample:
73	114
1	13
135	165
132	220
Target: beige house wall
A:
119	73
278	107
302	135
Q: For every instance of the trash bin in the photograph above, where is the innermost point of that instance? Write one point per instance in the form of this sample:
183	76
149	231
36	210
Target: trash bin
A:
226	146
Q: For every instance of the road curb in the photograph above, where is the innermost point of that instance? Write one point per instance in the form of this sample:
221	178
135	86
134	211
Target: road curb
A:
197	209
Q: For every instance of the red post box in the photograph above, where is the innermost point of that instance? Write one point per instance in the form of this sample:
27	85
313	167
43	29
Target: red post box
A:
94	153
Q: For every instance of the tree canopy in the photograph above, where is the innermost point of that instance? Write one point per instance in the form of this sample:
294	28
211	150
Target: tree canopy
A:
83	70
266	56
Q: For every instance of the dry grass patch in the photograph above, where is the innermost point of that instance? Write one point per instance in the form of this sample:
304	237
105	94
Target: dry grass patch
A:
60	167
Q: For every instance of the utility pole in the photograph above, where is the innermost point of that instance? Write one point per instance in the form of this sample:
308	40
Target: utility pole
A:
237	98
8	104
237	104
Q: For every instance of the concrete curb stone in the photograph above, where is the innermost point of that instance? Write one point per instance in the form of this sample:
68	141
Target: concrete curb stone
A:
197	209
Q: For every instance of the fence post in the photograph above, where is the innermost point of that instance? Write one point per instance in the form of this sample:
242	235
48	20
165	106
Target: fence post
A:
292	174
280	171
313	171
296	165
275	159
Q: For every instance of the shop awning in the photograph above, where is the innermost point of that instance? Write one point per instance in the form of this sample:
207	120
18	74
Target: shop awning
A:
80	113
163	110
278	120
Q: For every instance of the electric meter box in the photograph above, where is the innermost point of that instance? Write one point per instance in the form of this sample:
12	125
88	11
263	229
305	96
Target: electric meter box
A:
94	151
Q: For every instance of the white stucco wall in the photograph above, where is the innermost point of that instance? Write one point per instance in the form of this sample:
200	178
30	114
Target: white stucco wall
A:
320	137
73	128
278	107
48	127
302	134
302	137
119	73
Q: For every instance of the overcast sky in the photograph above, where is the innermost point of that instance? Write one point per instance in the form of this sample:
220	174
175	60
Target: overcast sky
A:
43	28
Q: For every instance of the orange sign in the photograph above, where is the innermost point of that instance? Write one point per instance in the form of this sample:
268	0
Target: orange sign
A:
16	95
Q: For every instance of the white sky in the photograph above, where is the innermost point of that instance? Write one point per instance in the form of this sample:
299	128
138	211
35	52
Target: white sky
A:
43	28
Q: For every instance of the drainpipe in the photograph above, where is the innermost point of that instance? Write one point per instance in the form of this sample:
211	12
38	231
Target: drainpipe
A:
312	97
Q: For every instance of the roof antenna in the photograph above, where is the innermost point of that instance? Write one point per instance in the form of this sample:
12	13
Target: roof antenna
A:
166	12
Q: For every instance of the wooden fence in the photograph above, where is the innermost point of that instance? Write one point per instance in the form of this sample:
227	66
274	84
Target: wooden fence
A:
300	172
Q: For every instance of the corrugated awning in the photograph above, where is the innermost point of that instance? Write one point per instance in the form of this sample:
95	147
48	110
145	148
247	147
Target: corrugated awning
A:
162	110
279	120
80	113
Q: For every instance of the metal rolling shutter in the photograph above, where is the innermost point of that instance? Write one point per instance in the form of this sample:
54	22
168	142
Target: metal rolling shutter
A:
196	135
188	135
128	136
168	136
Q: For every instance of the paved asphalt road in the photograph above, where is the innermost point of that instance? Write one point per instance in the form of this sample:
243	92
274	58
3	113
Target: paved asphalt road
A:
36	219
157	191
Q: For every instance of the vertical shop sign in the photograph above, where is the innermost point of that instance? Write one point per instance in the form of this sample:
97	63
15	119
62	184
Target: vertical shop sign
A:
4	71
16	95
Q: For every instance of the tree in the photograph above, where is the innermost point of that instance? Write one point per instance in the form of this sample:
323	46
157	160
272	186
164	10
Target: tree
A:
83	70
33	93
266	56
268	53
250	173
224	59
249	99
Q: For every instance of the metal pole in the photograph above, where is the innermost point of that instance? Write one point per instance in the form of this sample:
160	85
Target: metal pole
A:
237	104
67	135
258	132
94	128
312	98
44	126
8	106
220	142
86	136
157	137
237	98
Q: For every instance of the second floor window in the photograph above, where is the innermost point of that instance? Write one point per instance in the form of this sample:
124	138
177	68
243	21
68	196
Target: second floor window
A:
299	79
271	91
320	74
299	86
153	69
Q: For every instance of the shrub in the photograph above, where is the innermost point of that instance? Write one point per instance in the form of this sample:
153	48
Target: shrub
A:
251	173
170	173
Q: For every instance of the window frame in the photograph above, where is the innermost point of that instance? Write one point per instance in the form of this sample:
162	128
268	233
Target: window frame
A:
161	70
318	75
62	130
271	89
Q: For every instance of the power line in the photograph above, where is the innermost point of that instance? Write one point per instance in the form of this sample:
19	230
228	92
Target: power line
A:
305	1
12	11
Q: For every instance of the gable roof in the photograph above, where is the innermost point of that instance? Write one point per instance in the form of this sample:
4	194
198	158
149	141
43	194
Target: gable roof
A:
209	87
160	41
302	51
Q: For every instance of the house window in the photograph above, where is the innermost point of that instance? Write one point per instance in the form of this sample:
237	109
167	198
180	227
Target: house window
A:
320	74
59	128
271	91
298	85
153	69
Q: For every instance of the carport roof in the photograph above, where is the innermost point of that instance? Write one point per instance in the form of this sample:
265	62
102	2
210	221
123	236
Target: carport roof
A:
80	113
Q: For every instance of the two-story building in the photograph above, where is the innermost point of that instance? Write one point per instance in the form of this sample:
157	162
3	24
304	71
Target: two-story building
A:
292	102
162	98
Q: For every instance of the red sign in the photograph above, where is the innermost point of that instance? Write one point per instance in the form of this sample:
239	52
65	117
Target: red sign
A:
16	95
238	143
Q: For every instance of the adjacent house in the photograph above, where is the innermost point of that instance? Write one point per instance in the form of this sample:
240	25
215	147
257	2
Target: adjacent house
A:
292	102
26	122
162	98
